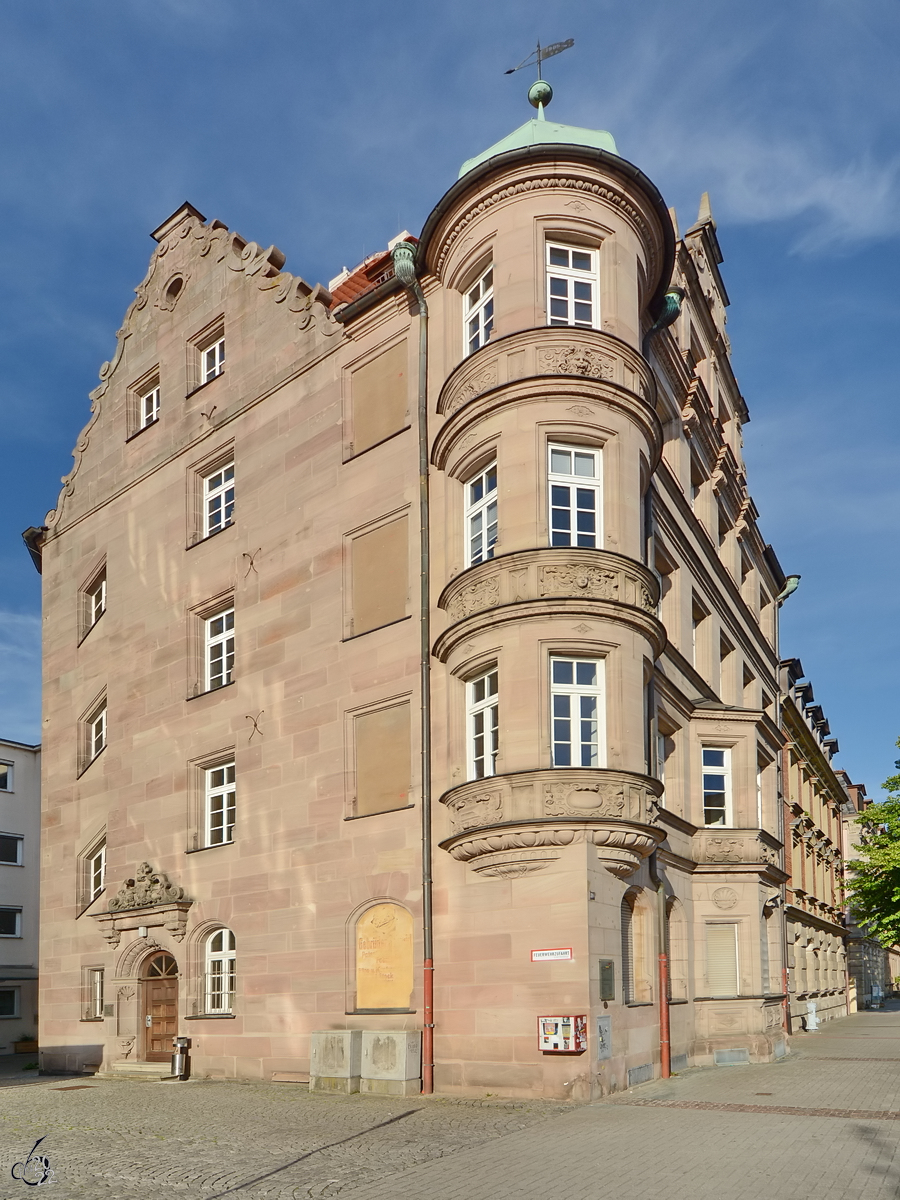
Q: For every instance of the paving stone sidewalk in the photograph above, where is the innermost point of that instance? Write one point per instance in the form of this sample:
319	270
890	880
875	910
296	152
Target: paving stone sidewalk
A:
823	1125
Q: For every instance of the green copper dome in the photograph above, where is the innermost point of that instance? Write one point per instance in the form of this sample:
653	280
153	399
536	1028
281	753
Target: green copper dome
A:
539	130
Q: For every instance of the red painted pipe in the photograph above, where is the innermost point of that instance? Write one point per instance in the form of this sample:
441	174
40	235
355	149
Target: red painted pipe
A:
665	1049
428	1031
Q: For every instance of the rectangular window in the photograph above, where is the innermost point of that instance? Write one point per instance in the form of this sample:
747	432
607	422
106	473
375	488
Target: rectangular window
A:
6	777
97	733
220	804
95	995
480	311
722	958
9	1002
11	849
96	873
218	499
575	501
572	286
576	697
716	786
213	361
219	655
149	407
96	601
10	922
483	725
481	516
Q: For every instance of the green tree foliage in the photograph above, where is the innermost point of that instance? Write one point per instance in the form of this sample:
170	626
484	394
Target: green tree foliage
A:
873	888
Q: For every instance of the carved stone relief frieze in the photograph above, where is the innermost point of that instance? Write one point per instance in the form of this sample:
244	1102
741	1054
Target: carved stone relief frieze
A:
576	360
578	580
725	898
597	800
720	849
481	381
475	597
470	811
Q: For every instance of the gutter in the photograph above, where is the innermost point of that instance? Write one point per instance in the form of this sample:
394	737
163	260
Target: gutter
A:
33	537
665	1046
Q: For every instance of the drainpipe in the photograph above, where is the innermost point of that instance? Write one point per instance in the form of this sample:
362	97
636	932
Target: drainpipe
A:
665	1049
404	257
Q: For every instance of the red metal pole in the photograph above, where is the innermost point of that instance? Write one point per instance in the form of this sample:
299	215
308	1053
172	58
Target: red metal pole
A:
665	1051
428	1031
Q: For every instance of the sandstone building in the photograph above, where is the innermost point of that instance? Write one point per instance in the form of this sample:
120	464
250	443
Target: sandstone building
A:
280	787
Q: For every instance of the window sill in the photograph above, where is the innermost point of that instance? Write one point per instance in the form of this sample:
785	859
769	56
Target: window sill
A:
91	1020
87	904
352	1012
137	433
208	536
639	1003
87	766
204	384
352	454
212	691
90	629
363	816
211	1017
351	637
3	864
216	845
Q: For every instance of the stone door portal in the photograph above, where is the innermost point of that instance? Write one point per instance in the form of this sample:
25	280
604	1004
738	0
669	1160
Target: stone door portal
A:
159	996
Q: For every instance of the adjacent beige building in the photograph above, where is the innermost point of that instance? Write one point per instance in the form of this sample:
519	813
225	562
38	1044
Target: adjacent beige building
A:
20	859
528	416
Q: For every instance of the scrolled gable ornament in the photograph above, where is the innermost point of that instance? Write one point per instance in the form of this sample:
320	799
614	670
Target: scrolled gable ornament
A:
146	889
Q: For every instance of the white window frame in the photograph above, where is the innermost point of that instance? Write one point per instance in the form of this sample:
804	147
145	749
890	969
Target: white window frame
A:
566	301
17	837
96	872
95	993
6	776
148	407
558	503
482	722
212	360
17	1004
97	734
710	771
218	649
562	695
96	601
219	804
218	499
219	970
18	912
481	516
478	305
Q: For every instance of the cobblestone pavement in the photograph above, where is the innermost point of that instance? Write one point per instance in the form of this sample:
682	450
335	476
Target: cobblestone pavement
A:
824	1124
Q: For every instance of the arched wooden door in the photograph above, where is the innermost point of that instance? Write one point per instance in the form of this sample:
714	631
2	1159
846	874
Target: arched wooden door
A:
159	996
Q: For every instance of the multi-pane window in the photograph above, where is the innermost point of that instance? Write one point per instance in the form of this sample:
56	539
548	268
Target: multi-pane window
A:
218	499
220	956
97	733
10	849
483	725
149	406
577	716
96	601
220	804
96	873
716	786
480	311
571	286
575	502
9	1002
10	922
481	516
219	656
6	777
95	993
213	360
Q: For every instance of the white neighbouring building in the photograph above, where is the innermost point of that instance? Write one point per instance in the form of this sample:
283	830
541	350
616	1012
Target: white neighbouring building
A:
20	858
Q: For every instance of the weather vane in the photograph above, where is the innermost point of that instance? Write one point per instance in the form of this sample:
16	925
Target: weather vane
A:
538	56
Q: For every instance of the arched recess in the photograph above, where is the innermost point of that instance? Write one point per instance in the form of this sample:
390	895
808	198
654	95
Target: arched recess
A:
381	958
194	970
676	933
636	927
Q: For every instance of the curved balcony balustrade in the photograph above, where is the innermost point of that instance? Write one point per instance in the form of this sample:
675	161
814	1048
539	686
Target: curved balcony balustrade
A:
509	825
551	581
584	365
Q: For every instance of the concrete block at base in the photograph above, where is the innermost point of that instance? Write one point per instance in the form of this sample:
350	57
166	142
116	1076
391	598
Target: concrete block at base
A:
334	1060
391	1062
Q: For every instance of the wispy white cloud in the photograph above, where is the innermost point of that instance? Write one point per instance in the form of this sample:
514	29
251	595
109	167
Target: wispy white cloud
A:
20	692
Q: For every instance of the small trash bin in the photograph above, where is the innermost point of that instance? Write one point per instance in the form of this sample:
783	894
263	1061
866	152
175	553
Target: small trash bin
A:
181	1066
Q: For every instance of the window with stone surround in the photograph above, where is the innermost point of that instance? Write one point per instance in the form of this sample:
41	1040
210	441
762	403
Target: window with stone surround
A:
93	732
142	403
9	1002
6	776
218	499
575	496
483	724
149	407
379	578
219	972
380	738
481	516
716	785
577	712
92	993
92	871
91	601
722	958
572	286
218	656
219	808
479	311
206	355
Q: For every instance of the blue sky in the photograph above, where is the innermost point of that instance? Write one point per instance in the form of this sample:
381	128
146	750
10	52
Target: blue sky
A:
326	129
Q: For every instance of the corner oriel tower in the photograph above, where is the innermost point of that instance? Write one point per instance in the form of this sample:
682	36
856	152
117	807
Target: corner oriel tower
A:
459	665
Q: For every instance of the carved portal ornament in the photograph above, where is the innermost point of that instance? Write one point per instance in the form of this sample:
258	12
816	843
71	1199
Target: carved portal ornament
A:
579	580
576	360
147	888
